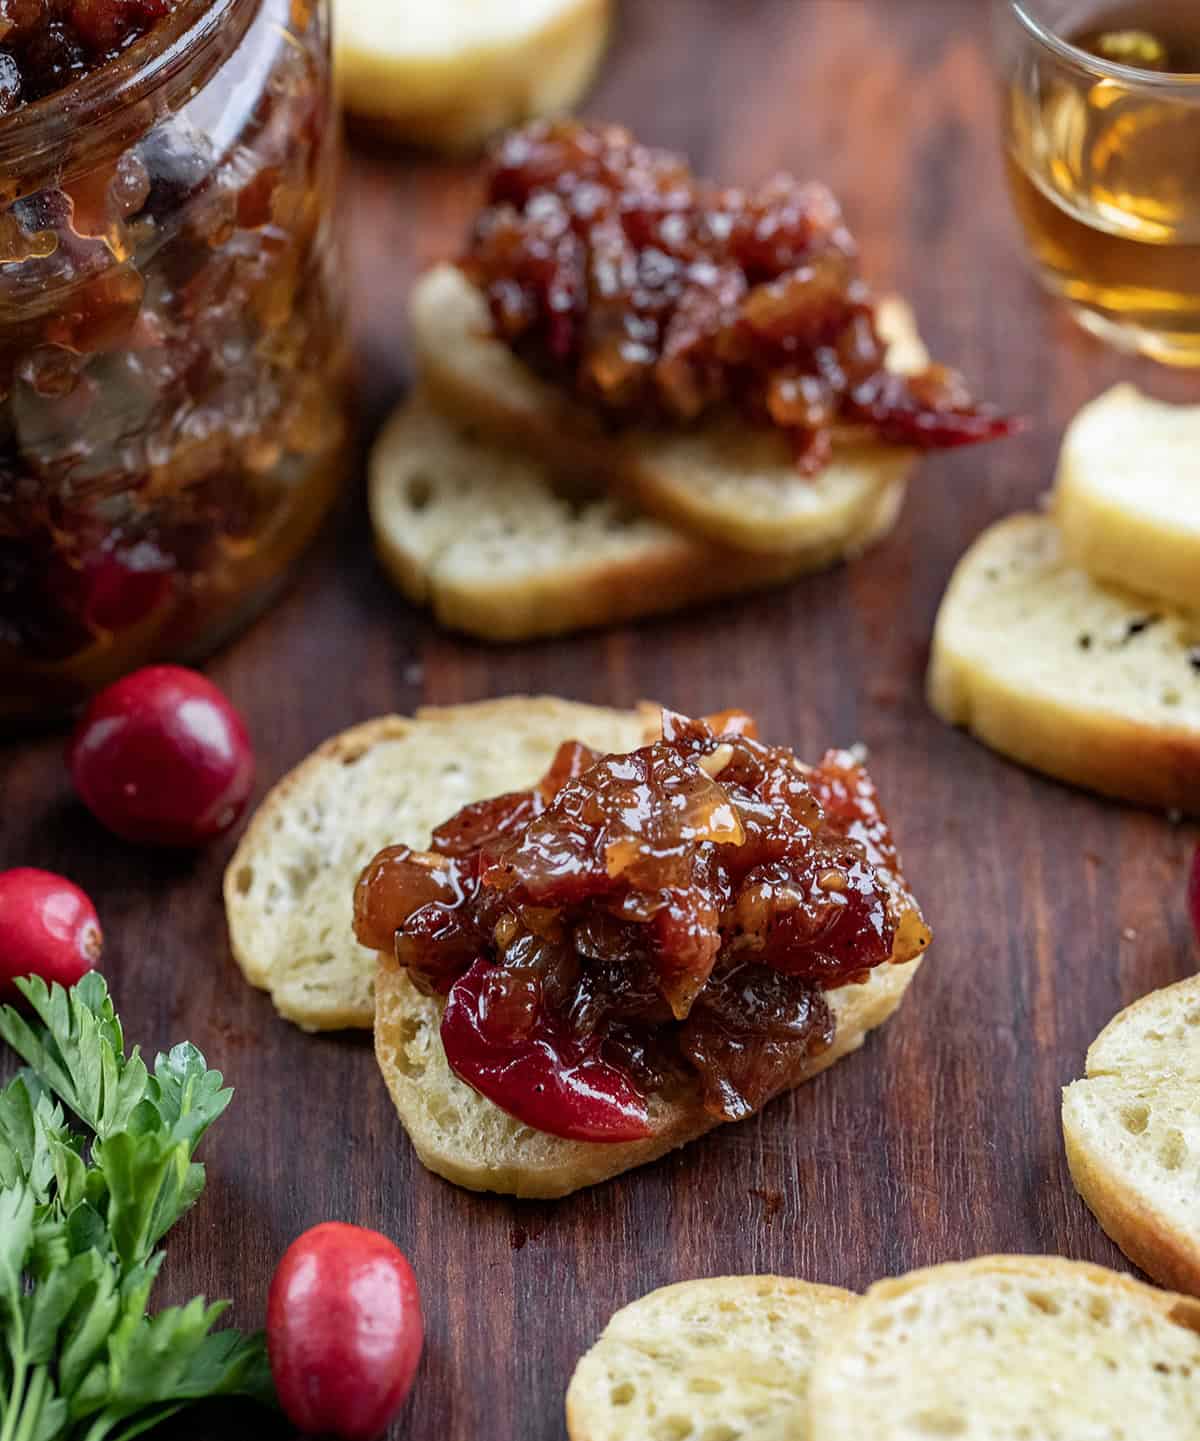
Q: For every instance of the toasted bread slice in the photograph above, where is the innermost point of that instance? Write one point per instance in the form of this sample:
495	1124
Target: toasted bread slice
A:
451	75
1010	1348
1132	1130
289	889
462	1136
486	538
1090	684
1128	495
733	484
728	1357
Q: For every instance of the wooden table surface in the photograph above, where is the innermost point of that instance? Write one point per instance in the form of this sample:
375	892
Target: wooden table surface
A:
941	1138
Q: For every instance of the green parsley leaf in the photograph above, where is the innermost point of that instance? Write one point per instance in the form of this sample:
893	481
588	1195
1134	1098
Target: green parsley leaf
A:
81	1215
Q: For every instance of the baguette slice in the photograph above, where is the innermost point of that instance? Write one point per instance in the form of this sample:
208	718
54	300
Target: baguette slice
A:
1128	495
1093	685
728	1357
289	889
1011	1348
449	75
485	538
1132	1132
731	483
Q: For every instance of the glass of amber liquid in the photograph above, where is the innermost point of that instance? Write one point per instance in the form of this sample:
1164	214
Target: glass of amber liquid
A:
1101	116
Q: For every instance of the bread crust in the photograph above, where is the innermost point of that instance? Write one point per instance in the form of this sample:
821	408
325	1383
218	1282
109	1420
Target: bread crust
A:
1096	749
1144	1234
1183	1310
533	1165
454	103
767	508
660	570
1171	1258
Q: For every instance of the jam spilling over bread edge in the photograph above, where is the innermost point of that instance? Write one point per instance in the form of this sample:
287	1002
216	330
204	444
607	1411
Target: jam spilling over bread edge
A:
659	298
665	922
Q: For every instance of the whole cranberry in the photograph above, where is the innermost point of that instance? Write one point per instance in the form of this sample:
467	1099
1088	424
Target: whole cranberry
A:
1194	892
344	1331
162	758
48	928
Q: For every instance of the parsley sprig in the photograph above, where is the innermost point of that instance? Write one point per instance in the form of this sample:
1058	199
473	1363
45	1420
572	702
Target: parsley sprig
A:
96	1166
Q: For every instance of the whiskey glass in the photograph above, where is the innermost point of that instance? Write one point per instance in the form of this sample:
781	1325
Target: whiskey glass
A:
1100	110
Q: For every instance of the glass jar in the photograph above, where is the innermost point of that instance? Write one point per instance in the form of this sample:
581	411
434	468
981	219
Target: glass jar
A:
172	348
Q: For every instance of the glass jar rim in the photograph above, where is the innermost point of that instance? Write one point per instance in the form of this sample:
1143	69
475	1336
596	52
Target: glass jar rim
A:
1096	64
53	137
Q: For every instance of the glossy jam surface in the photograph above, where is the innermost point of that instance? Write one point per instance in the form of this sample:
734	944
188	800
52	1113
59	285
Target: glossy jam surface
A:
172	359
46	45
659	297
650	922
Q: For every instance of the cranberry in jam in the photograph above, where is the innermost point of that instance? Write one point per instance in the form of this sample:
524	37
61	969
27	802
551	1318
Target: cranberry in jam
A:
659	297
658	924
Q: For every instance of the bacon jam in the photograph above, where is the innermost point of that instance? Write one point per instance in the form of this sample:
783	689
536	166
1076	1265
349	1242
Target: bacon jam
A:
657	297
662	922
46	45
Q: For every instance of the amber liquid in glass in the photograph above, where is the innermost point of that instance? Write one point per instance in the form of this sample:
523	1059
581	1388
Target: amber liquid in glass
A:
1106	176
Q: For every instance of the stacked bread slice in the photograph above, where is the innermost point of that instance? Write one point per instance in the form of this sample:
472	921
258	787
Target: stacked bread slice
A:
998	1349
509	509
1070	641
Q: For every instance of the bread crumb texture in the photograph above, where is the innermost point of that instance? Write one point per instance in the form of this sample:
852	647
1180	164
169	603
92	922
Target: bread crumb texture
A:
721	1360
1011	1348
1132	1131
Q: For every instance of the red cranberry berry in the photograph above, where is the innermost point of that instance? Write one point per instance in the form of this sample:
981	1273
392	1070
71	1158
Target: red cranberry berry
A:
1194	892
48	928
162	758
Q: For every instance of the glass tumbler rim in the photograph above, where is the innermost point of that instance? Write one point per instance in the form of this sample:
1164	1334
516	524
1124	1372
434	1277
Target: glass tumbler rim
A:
1045	34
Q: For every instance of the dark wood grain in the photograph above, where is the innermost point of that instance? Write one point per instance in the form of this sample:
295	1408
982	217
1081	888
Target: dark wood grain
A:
941	1138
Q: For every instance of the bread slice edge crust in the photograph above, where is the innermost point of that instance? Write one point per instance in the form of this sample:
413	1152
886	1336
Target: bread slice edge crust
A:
1142	1233
659	570
513	1159
1125	1213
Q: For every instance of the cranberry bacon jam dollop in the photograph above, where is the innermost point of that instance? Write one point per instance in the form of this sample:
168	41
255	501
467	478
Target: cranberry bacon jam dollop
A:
658	298
662	921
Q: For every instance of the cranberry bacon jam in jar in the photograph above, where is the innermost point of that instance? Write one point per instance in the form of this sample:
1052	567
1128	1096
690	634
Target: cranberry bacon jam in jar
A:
172	360
658	298
666	922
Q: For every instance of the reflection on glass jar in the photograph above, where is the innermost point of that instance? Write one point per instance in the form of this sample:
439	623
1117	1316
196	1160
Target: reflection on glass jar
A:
172	353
